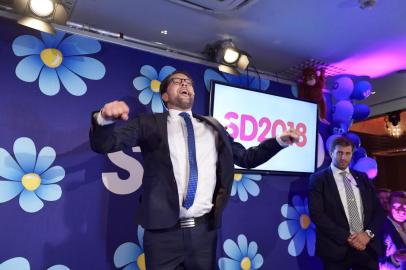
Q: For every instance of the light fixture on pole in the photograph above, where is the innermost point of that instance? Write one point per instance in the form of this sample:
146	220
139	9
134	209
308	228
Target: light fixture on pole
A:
393	124
40	14
230	58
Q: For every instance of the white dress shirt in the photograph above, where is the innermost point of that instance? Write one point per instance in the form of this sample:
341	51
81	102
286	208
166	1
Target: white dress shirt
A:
341	190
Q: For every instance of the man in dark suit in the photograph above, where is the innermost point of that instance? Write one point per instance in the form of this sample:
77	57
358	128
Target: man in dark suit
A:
347	214
188	173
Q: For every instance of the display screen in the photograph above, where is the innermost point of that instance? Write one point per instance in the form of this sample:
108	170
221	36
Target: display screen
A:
252	116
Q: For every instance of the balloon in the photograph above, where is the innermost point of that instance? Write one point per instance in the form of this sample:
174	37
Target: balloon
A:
342	88
359	153
362	90
330	140
354	138
367	165
343	111
320	150
361	111
340	128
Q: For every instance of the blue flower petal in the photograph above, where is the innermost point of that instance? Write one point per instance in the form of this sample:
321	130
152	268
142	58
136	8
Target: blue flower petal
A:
84	66
78	45
306	205
45	159
211	75
27	45
310	241
288	228
257	262
165	71
9	169
49	192
30	202
28	68
242	193
243	244
132	266
49	81
255	177
157	106
141	82
296	245
251	187
145	96
72	82
25	153
53	175
126	253
149	72
232	250
140	235
252	249
229	264
9	189
298	204
58	267
234	189
19	263
289	212
52	41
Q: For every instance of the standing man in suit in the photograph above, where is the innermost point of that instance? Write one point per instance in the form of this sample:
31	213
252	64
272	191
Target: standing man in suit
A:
347	214
188	172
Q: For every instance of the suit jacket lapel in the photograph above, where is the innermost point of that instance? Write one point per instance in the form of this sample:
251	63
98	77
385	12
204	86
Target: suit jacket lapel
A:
334	191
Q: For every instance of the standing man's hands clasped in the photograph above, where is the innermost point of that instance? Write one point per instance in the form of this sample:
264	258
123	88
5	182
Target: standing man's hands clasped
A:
115	110
359	241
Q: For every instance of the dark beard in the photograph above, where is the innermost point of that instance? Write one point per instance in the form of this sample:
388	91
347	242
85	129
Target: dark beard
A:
184	104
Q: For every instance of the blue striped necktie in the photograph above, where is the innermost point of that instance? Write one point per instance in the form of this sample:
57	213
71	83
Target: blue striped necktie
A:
192	183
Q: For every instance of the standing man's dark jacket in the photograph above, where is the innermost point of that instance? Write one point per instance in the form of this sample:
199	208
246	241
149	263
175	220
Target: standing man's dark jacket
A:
327	213
159	207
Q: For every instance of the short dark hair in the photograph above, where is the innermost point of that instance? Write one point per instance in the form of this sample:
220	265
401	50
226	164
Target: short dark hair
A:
341	141
164	84
379	190
397	194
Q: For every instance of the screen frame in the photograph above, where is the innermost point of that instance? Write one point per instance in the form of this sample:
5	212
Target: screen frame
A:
213	83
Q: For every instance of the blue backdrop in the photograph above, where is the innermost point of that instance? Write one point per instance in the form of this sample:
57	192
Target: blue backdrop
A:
64	207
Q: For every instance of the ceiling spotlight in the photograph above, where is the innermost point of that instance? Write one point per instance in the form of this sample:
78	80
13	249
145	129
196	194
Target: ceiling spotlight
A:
40	14
228	56
164	32
393	124
42	8
363	4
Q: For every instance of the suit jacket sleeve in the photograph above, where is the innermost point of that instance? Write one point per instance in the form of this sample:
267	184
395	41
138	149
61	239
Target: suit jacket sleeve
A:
254	156
111	138
318	211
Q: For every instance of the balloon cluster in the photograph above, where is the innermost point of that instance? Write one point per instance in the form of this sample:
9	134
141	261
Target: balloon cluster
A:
345	90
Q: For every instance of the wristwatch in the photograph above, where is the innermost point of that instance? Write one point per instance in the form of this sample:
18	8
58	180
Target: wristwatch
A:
370	233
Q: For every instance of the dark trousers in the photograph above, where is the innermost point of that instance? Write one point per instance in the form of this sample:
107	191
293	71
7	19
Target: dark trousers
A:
354	260
181	249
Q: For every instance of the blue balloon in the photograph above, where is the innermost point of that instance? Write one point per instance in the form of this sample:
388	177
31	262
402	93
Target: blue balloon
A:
343	111
361	111
354	138
362	90
342	88
330	140
367	165
359	153
339	128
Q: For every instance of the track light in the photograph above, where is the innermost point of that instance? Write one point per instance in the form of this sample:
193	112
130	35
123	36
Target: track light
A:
393	124
228	56
40	14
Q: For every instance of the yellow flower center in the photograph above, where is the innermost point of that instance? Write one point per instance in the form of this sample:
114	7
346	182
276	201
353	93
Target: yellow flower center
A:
141	261
245	263
31	181
304	221
237	177
155	84
51	57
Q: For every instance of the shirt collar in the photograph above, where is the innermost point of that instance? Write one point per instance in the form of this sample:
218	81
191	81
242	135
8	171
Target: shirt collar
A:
175	113
336	170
